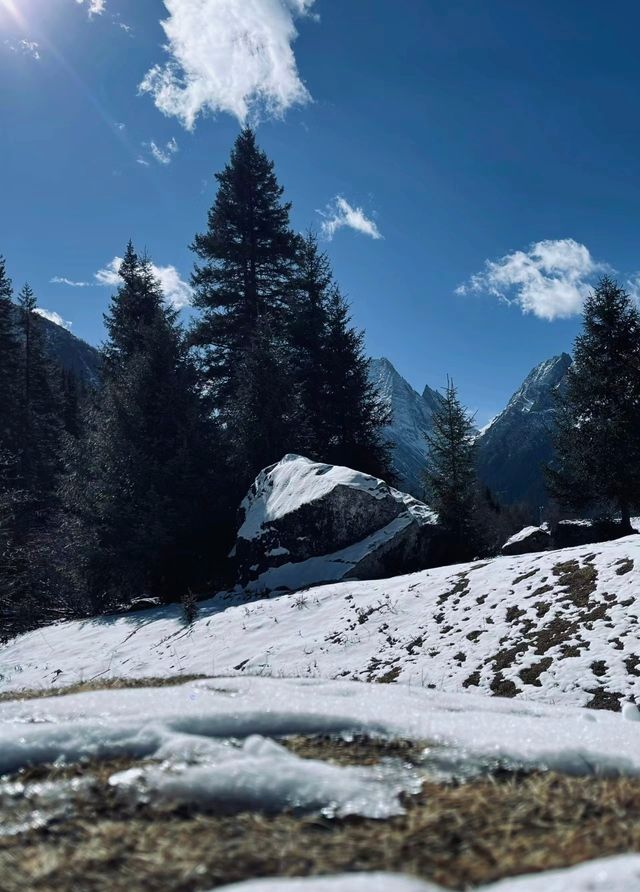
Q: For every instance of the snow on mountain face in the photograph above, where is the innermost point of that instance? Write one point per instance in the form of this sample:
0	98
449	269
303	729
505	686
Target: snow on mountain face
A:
411	422
515	447
556	627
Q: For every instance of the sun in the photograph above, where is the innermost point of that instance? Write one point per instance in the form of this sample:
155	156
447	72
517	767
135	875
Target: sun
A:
11	8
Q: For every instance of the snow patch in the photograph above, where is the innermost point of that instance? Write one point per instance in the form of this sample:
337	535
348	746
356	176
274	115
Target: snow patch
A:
619	874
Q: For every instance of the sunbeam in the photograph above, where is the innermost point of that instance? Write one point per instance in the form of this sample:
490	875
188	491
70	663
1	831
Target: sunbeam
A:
11	7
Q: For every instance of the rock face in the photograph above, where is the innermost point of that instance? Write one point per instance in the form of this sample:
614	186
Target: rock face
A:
411	422
528	540
305	522
516	446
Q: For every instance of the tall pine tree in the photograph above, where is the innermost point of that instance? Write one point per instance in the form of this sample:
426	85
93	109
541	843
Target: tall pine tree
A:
29	464
597	434
451	482
356	417
242	286
9	364
342	410
40	404
139	493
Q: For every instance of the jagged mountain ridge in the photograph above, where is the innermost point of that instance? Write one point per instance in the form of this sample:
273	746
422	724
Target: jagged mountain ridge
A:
411	422
512	450
516	446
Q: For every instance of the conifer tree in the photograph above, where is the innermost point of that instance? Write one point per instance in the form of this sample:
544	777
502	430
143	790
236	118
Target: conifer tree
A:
139	490
246	258
341	408
451	481
308	343
9	364
355	415
242	285
28	470
40	404
597	432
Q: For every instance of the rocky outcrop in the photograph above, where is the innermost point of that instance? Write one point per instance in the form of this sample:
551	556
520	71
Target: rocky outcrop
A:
304	522
565	534
528	540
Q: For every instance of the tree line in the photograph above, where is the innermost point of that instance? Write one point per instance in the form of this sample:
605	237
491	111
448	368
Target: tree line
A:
595	433
132	489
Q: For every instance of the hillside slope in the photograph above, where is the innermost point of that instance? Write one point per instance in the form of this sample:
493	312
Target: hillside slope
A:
558	627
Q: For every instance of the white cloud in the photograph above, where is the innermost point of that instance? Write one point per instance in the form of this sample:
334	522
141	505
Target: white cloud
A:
177	292
26	47
551	279
96	7
54	317
339	214
231	56
62	280
163	155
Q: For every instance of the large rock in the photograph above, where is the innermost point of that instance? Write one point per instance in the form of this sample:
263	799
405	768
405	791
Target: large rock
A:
303	523
569	533
529	539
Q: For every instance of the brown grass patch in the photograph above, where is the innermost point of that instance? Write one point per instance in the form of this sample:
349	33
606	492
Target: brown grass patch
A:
455	835
107	684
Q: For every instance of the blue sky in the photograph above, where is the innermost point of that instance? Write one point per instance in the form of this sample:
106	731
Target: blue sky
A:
477	164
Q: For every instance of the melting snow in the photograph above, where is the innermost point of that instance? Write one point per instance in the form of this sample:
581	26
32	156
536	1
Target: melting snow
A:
621	874
510	625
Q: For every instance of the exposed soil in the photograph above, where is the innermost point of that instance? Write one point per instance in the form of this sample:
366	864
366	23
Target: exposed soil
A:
109	684
455	834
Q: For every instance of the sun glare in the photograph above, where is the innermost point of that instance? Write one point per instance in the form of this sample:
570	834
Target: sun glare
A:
10	7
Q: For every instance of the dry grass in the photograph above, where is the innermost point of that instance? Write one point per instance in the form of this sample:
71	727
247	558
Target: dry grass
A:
455	835
107	684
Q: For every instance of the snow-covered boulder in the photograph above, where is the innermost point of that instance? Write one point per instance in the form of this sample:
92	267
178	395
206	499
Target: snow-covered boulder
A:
303	522
528	540
569	533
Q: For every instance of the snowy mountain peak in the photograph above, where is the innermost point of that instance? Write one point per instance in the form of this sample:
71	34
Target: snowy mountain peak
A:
515	447
537	388
411	422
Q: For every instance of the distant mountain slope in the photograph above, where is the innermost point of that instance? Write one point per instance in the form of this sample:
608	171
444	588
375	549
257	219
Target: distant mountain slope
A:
411	422
558	627
514	448
72	353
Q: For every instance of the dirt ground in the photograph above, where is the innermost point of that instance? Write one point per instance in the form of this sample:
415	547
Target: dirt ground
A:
457	834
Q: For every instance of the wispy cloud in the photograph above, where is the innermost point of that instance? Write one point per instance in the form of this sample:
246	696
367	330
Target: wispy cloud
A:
231	56
339	214
163	154
63	280
25	47
54	317
551	279
95	7
177	292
